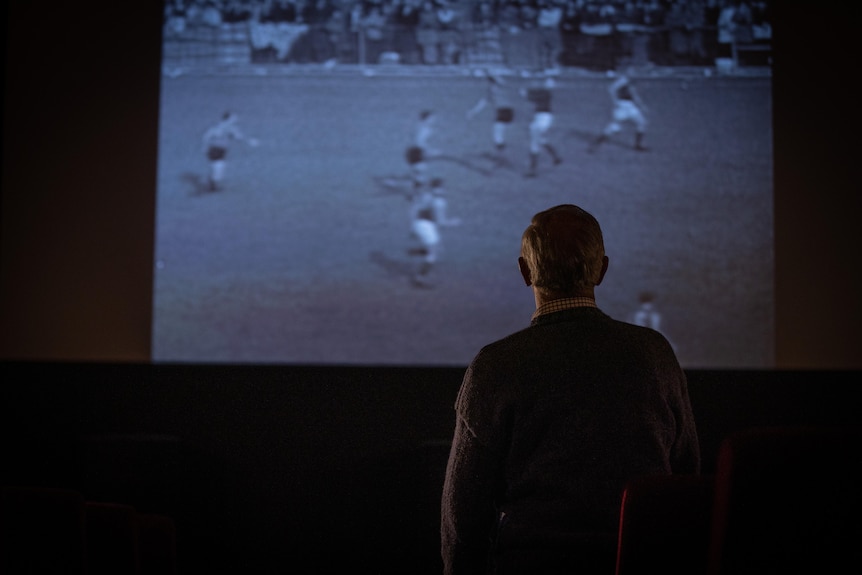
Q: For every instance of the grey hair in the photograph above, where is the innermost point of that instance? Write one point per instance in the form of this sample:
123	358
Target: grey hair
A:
564	249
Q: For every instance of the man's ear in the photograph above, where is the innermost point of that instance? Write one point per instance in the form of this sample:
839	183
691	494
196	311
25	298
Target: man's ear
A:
604	269
525	271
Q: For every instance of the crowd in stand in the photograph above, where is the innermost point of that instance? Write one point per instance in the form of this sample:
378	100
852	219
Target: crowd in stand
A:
535	33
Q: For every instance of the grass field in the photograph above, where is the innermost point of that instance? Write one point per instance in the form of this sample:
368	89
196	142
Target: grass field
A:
302	257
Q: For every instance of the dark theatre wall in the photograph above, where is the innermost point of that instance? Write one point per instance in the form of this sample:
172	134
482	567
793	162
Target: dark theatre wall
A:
269	465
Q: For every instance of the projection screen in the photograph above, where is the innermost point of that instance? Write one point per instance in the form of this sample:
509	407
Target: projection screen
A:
296	243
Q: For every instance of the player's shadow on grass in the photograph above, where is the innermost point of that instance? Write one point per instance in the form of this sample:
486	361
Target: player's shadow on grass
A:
196	183
498	162
393	267
589	139
402	184
463	162
394	185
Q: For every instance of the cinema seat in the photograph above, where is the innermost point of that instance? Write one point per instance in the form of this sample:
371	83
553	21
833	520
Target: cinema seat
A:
112	539
157	537
42	530
49	531
787	500
664	525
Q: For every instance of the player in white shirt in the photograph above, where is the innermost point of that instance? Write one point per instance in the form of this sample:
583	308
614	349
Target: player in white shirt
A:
427	216
419	152
627	108
216	141
541	97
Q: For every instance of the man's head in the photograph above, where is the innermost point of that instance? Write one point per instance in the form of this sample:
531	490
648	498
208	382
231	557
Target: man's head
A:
563	253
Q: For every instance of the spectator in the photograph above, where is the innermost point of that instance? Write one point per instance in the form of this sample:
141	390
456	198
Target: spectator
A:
552	421
278	11
484	38
368	21
695	24
598	29
629	23
734	26
570	29
548	22
520	37
449	40
742	21
315	45
235	11
405	20
339	36
677	37
427	33
176	17
653	18
761	26
273	29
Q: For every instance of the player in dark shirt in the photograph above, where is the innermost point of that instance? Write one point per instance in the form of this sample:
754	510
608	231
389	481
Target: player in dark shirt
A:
541	97
504	114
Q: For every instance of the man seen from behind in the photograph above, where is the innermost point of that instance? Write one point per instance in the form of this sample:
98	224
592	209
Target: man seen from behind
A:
553	420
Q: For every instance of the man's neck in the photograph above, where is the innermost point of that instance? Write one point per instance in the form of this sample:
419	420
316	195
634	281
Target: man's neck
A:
543	297
563	304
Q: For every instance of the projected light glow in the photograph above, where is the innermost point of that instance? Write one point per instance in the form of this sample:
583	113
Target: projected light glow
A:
304	252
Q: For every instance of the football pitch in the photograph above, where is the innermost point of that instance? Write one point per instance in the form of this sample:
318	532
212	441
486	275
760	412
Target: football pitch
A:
302	256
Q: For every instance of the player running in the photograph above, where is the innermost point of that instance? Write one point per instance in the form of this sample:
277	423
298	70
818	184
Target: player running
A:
215	144
497	97
417	154
627	108
541	96
647	315
427	215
